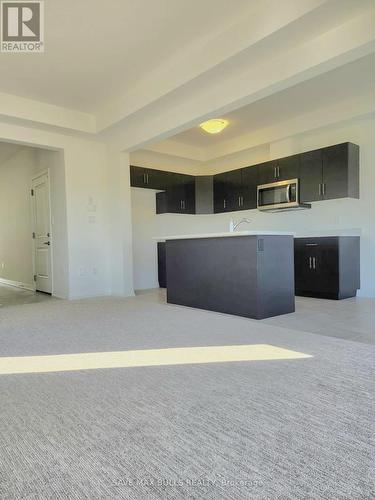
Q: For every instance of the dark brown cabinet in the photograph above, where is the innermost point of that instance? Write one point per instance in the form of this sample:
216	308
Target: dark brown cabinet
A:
179	197
288	168
249	188
330	173
150	178
311	176
327	267
162	265
282	169
236	190
227	191
324	174
267	172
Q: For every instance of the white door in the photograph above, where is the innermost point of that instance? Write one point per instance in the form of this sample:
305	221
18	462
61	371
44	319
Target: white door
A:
42	233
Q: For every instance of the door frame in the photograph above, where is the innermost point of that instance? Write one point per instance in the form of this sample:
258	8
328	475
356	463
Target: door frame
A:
34	177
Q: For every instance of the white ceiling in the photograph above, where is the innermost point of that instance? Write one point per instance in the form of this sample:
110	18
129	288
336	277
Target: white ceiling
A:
97	49
339	85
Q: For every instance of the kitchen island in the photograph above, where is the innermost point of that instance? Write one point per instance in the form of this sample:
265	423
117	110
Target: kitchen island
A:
245	273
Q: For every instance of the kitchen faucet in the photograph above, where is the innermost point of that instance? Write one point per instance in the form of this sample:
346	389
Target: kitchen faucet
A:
233	225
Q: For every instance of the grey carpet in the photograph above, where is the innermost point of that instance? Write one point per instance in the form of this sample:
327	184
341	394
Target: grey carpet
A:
295	429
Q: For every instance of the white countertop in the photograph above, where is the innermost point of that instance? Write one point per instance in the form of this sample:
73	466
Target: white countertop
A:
224	235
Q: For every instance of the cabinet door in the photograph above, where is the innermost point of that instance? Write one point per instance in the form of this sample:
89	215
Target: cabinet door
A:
327	265
181	196
228	191
249	187
288	168
267	172
335	171
305	256
311	176
138	177
162	265
219	193
189	197
161	202
156	179
149	178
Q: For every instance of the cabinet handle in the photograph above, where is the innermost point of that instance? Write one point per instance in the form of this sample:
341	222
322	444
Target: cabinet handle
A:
239	201
225	203
310	262
324	189
278	172
314	263
275	172
320	190
146	178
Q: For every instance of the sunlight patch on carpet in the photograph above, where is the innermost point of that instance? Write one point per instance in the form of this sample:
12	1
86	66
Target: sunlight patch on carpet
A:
145	357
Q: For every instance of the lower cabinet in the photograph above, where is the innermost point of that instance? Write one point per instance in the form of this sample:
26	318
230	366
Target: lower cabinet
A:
327	267
162	267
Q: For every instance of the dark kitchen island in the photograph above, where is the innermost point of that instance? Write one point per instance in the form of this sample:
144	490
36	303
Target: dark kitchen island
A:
247	273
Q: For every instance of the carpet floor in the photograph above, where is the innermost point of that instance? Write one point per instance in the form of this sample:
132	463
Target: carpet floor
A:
273	429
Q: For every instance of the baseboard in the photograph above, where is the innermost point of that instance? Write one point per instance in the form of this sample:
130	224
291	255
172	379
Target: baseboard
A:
57	296
88	295
18	284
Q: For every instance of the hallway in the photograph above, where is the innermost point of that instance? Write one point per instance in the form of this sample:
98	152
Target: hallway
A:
13	296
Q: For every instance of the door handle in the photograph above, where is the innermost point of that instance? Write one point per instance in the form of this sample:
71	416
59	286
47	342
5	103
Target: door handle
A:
47	243
288	191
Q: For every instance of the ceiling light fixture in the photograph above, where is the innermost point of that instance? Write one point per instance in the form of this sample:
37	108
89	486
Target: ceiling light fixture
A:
214	126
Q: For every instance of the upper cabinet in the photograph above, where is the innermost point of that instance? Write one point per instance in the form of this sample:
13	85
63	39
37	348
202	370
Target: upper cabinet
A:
236	190
150	178
330	173
341	171
227	191
179	196
267	172
324	174
279	170
249	187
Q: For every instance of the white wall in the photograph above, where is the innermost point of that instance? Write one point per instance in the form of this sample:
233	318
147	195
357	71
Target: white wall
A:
16	249
162	161
328	216
96	187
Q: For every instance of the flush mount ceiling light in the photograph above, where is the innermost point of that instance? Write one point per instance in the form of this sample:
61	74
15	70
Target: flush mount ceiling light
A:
214	126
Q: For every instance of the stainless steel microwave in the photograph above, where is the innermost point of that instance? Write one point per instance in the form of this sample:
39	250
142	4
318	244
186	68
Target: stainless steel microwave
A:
282	195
